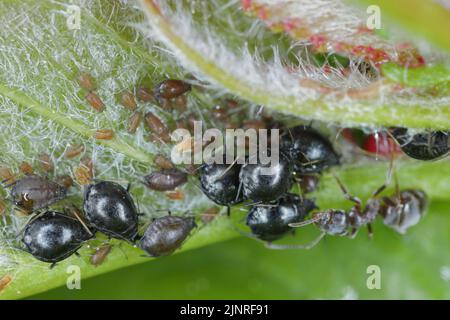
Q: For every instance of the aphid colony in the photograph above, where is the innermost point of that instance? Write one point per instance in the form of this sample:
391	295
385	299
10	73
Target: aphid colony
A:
108	207
274	211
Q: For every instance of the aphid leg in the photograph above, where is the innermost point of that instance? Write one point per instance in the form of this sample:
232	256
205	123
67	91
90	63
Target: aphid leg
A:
82	223
52	265
228	211
348	196
369	230
128	186
30	220
77	254
227	169
289	246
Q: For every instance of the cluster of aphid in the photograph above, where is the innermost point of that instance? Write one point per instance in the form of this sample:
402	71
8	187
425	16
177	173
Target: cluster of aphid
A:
52	236
108	207
274	212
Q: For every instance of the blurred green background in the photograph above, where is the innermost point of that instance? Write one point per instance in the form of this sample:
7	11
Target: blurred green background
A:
414	266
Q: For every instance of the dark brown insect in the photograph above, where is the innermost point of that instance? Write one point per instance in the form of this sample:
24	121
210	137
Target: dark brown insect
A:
165	180
46	163
26	168
6	176
34	192
5	281
65	180
86	81
128	101
163	162
176	194
74	151
144	94
100	255
104	134
164	235
171	88
158	129
95	101
209	215
134	121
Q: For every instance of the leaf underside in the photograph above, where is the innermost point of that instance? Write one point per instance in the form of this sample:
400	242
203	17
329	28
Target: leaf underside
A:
43	110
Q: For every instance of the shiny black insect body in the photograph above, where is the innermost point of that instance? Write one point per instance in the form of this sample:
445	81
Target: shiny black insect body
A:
427	145
266	182
33	192
220	183
165	180
308	149
404	209
53	236
271	222
164	235
110	209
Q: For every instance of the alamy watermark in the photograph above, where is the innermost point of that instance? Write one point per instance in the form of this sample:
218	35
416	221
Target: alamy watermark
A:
235	146
73	281
374	19
73	20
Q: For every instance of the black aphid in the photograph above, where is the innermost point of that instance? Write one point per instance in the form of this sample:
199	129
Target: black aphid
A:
53	236
165	180
110	209
308	149
33	192
220	183
271	222
164	235
427	145
266	182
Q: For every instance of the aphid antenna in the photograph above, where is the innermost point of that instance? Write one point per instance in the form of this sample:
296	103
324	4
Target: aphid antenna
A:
74	212
30	220
9	185
246	234
227	169
118	236
300	191
239	190
307	246
318	217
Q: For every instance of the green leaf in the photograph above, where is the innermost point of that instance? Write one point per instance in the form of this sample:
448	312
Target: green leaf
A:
43	110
